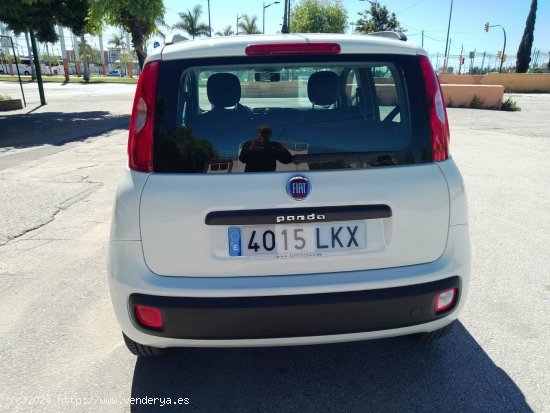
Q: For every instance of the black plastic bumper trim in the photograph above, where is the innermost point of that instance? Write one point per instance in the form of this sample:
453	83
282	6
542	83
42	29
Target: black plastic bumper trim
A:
298	215
296	315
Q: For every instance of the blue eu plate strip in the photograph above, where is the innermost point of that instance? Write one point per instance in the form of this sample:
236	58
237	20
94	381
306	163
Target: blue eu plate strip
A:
234	236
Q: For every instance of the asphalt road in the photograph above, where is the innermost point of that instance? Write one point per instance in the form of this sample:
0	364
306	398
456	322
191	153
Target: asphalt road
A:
61	349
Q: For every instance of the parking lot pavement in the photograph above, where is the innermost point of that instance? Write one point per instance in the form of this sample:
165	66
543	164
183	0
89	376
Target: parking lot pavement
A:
60	343
73	112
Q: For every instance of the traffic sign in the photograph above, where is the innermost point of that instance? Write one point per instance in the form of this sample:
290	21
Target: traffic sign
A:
156	44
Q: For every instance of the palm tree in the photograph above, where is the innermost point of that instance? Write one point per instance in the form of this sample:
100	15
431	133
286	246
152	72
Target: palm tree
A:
161	24
248	24
190	22
226	32
117	41
91	54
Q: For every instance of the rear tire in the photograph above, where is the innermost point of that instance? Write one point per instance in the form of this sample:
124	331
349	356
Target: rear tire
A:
141	350
433	335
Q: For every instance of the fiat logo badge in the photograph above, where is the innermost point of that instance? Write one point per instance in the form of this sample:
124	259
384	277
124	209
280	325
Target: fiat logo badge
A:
298	188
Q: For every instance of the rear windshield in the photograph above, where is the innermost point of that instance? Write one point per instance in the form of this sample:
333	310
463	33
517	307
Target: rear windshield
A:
240	115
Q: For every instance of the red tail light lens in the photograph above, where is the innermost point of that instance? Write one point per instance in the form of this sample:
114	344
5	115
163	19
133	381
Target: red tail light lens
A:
439	123
149	316
292	48
445	300
140	139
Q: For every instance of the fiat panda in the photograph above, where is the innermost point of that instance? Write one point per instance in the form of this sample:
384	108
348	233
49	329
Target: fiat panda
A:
287	190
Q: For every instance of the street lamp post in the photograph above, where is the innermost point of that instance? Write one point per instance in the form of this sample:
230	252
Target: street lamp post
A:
503	47
237	26
286	18
17	69
209	24
265	7
447	41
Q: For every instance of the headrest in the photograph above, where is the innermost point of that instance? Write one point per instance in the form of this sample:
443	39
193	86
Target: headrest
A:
322	88
223	89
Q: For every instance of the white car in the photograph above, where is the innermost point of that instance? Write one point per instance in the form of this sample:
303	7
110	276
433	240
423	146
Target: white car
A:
287	190
25	67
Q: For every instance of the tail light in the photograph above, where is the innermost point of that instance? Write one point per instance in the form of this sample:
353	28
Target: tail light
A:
140	139
439	124
445	300
149	316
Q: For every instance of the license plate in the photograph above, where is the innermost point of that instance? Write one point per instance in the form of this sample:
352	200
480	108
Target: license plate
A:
296	241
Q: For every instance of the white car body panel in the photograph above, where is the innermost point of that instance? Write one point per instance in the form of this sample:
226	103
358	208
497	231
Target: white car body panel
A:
457	193
129	274
125	222
173	228
235	45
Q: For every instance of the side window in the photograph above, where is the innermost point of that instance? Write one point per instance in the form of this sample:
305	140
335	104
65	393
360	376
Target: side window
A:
386	94
204	103
188	98
352	95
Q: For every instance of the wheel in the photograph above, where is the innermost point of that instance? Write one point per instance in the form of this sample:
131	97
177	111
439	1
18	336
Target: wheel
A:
1	72
27	72
139	349
434	335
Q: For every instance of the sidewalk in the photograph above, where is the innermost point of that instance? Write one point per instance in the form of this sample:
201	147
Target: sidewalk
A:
73	112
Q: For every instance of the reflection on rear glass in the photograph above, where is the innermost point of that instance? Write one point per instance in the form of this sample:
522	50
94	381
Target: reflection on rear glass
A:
317	117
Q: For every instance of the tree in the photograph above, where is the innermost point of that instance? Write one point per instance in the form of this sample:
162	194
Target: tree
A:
82	16
161	23
41	16
137	17
377	19
124	59
524	50
22	17
319	16
248	24
226	32
117	42
190	22
92	55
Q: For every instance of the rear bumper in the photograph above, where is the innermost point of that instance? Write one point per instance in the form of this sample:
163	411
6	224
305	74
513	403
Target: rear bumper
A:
238	318
287	310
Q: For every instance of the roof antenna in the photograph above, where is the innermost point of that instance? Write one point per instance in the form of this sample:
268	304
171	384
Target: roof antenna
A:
286	18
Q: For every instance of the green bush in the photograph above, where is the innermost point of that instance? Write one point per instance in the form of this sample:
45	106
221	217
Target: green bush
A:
5	97
510	105
476	103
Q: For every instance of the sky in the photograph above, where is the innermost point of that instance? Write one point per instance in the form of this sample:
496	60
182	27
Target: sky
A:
432	16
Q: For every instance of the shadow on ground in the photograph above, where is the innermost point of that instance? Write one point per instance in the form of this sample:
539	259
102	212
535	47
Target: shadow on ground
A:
453	374
56	128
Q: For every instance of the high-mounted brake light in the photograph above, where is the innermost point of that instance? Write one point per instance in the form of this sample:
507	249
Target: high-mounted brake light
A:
140	138
292	48
439	124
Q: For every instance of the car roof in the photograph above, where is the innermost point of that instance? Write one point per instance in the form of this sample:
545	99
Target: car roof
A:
235	45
